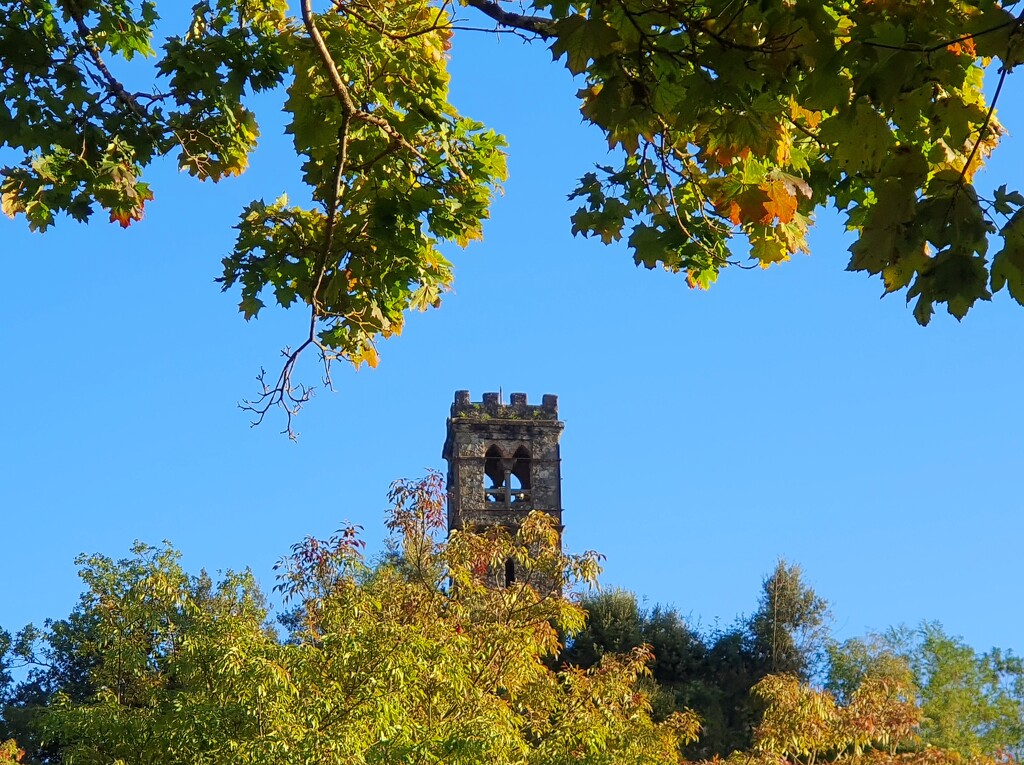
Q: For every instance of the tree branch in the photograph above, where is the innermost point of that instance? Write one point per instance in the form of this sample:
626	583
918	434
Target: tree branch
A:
283	393
332	213
543	28
114	86
944	43
348	106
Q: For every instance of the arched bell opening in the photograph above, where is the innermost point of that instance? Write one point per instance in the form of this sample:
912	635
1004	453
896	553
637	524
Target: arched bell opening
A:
506	480
495	482
519	475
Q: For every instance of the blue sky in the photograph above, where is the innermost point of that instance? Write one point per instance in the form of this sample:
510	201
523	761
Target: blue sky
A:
787	412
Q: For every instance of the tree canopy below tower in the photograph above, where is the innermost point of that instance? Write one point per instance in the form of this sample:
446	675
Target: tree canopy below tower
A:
421	659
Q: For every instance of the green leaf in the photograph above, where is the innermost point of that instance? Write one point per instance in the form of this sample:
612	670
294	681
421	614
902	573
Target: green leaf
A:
250	307
1006	202
767	251
580	40
1008	264
857	139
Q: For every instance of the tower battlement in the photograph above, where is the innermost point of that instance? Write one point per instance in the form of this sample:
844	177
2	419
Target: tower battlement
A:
492	407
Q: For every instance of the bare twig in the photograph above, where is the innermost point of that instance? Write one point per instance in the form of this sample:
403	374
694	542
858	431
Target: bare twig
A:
284	393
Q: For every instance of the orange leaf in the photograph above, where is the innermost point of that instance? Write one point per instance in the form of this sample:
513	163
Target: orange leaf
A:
781	202
752	206
724	155
963	47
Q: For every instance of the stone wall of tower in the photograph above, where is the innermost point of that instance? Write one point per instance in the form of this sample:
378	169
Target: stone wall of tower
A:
474	428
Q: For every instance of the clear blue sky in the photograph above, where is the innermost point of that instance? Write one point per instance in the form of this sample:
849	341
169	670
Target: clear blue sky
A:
784	413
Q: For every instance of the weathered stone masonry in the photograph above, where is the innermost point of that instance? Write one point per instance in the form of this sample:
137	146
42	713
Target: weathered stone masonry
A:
503	461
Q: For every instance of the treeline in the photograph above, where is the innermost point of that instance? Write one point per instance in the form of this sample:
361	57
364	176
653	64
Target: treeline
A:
421	659
971	702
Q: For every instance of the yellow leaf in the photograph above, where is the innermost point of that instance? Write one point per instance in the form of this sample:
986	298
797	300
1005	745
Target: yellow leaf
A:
768	251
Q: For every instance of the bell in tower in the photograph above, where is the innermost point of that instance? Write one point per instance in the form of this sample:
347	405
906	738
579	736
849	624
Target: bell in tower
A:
503	463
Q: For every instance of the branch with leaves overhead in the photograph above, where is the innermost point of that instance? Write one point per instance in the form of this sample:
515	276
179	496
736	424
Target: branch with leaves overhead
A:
394	168
732	123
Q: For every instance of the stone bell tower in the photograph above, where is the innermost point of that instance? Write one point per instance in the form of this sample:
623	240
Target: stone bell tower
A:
503	462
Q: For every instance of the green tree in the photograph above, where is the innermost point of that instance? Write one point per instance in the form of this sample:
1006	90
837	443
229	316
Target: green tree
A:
804	725
418	662
421	659
789	630
972	703
850	662
728	121
713	675
784	636
5	664
615	624
729	710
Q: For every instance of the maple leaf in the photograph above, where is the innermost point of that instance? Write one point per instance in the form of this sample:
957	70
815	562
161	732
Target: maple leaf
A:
725	153
1008	264
954	277
10	204
250	307
581	40
963	47
367	354
858	139
793	183
701	279
903	265
748	206
794	234
781	202
767	251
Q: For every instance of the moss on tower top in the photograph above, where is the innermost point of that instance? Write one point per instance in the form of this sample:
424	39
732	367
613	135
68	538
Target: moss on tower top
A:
493	408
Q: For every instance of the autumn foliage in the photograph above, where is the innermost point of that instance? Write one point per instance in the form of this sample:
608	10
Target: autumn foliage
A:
10	753
419	658
731	126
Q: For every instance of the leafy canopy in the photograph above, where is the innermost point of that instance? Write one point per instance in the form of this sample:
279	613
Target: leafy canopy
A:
728	119
971	702
927	689
416	660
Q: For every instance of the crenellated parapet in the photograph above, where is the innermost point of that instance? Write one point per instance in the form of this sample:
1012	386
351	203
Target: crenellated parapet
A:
492	407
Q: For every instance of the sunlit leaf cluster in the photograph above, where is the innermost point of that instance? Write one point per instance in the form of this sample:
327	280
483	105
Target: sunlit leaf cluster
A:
392	168
743	118
731	124
86	138
416	659
420	657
